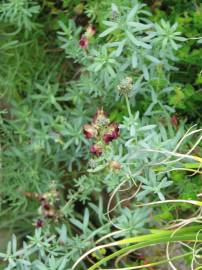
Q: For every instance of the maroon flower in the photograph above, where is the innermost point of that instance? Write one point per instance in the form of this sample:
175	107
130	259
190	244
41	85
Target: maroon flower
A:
115	130
83	42
96	149
111	134
39	223
174	120
46	206
89	131
107	138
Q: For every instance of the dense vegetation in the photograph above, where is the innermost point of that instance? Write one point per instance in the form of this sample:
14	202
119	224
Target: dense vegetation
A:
100	113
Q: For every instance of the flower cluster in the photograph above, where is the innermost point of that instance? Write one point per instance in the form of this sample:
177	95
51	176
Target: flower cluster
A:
125	86
84	40
102	130
48	206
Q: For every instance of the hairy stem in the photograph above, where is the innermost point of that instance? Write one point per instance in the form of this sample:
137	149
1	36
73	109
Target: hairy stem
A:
128	106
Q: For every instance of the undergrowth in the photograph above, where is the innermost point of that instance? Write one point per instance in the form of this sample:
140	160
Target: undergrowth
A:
100	116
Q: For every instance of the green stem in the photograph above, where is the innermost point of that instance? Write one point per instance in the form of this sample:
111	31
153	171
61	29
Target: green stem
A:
128	106
187	165
166	239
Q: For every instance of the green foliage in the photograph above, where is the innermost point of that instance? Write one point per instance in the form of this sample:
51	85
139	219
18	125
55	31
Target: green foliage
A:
61	62
188	16
19	13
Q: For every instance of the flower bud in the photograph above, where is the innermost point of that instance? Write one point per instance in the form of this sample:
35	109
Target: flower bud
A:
79	9
89	131
92	163
115	165
96	149
115	14
125	86
90	31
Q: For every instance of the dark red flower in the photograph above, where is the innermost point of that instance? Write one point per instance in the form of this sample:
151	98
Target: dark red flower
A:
174	120
46	206
107	138
115	130
39	223
83	42
89	131
111	134
96	149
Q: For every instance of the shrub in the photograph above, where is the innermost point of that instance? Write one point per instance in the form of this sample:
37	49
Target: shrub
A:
93	149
